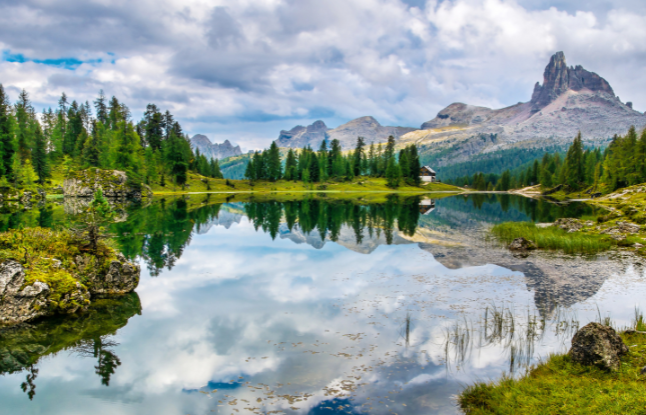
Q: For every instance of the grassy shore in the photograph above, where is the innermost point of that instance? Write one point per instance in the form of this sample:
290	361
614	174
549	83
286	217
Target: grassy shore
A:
200	184
560	386
553	238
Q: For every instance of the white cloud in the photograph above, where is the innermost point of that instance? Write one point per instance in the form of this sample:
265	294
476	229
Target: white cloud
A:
243	70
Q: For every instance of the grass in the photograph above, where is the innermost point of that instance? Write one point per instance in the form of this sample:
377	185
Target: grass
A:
553	238
197	183
560	386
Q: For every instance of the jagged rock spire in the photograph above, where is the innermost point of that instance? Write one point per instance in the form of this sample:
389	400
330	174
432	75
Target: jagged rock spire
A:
558	78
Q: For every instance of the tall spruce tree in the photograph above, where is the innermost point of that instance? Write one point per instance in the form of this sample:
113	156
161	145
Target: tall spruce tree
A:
39	155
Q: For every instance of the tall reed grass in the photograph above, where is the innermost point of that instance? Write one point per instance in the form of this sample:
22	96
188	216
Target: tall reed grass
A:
553	238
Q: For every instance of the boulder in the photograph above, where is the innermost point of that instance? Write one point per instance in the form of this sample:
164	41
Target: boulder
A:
597	345
113	184
568	224
121	277
20	303
521	244
33	301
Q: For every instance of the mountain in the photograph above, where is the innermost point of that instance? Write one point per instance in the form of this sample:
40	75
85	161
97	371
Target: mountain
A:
571	99
214	151
366	127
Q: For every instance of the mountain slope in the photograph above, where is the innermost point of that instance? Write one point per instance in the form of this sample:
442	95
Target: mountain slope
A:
571	99
214	151
366	127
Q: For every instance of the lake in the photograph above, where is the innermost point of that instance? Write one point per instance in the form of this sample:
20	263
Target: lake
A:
311	306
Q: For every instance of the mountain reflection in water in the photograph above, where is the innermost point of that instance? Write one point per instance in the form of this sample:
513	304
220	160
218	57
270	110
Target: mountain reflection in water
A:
313	306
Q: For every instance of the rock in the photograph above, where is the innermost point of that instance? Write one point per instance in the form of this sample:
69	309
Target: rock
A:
597	345
26	198
42	194
521	244
638	245
122	276
33	301
643	372
568	224
628	227
214	150
113	184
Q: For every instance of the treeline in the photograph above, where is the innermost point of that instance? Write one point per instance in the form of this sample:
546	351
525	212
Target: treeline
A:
79	135
621	164
325	164
512	159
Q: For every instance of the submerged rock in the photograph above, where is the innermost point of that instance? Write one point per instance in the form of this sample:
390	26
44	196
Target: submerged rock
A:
521	244
598	345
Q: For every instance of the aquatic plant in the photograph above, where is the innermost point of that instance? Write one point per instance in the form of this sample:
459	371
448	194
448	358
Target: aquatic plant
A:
553	238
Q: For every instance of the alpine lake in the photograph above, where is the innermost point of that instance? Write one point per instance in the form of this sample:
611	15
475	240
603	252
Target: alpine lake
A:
316	305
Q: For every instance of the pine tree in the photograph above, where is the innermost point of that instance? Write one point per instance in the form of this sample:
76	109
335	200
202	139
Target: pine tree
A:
291	165
24	131
358	155
393	173
273	163
7	144
39	155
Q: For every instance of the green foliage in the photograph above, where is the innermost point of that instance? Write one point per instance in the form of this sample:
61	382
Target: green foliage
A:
553	238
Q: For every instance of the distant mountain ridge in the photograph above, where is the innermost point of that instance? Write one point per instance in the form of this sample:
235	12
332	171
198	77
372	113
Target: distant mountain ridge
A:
571	99
347	134
214	150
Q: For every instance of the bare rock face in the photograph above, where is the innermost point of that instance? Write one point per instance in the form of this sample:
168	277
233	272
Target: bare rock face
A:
113	184
521	244
121	277
570	100
367	127
598	345
33	301
300	136
214	150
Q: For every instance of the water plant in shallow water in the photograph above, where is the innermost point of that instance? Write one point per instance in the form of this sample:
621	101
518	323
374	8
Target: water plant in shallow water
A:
553	238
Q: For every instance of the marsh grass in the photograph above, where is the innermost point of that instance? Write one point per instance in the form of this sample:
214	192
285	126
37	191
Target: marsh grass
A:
553	238
559	386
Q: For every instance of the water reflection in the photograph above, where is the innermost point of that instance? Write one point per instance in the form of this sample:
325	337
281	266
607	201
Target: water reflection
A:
88	335
314	306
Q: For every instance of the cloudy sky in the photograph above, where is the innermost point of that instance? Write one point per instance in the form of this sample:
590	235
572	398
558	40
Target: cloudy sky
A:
246	69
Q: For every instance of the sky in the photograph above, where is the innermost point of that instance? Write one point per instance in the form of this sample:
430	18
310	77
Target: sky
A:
244	70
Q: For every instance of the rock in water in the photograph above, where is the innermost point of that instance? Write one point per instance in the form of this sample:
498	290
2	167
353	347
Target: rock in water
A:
597	345
521	244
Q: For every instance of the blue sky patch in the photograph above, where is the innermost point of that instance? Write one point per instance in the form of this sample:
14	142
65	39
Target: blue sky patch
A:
67	63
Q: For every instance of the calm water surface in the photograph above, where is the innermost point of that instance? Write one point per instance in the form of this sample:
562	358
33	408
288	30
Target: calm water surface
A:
310	307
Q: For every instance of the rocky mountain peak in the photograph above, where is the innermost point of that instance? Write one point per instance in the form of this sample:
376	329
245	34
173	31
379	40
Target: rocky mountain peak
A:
558	79
214	150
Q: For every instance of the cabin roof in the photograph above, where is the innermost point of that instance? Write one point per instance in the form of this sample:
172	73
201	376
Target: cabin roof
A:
429	169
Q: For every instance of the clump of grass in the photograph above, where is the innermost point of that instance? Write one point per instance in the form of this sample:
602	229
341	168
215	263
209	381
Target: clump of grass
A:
561	386
553	238
639	323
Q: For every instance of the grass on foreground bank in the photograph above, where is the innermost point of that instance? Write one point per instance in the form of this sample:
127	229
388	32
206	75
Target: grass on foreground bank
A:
197	183
560	386
554	238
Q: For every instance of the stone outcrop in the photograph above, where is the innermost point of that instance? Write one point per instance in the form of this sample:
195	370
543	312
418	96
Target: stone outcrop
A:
300	136
558	79
367	127
597	345
122	277
20	303
569	224
113	183
521	244
214	150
